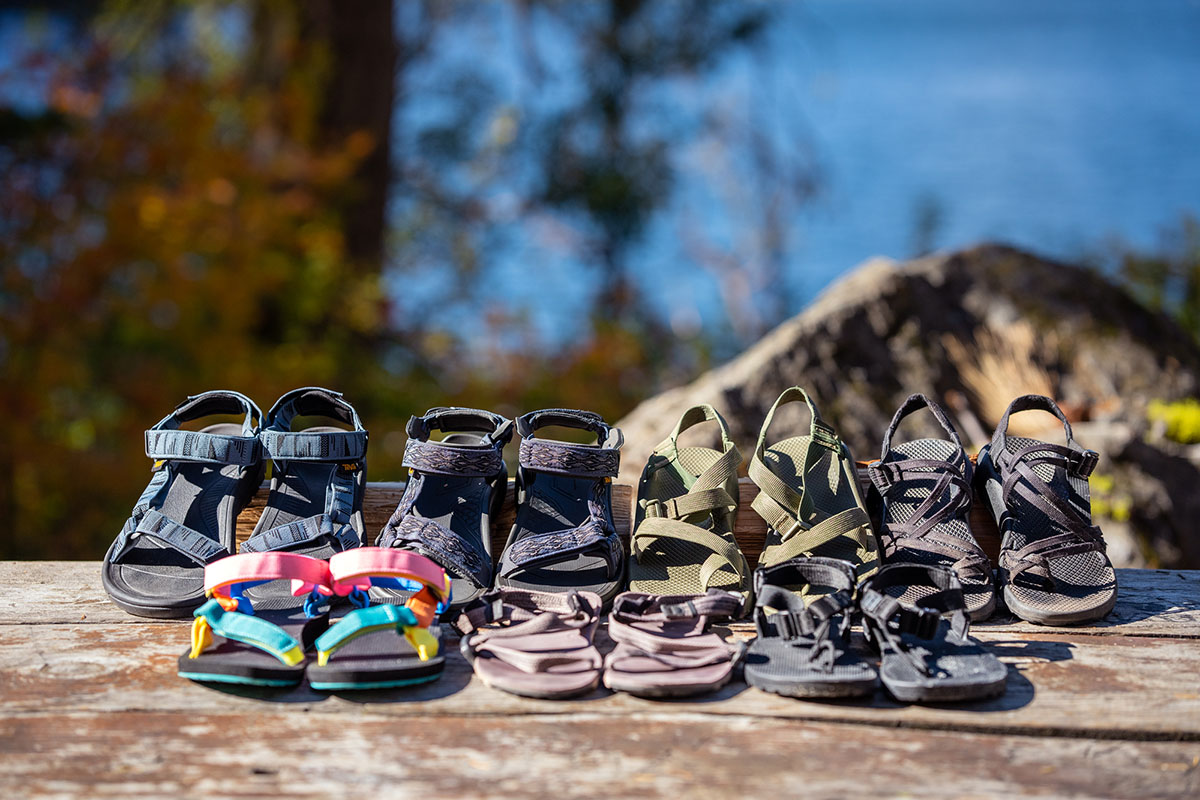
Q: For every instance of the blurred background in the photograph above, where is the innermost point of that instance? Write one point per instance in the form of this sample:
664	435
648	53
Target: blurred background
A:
531	203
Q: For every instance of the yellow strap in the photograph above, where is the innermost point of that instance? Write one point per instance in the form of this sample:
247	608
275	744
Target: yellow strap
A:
424	642
201	637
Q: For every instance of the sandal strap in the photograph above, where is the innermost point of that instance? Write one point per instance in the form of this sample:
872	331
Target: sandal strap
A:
227	579
601	460
890	618
593	536
302	532
810	625
282	444
799	540
506	604
456	554
155	525
165	441
724	552
212	618
482	460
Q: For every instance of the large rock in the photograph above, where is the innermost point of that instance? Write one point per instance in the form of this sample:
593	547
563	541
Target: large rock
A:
975	329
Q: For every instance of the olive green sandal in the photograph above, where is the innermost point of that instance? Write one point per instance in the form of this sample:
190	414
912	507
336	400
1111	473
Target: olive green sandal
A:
687	503
809	496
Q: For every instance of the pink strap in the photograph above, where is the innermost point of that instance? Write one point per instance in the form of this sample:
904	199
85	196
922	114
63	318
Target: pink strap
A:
305	572
353	569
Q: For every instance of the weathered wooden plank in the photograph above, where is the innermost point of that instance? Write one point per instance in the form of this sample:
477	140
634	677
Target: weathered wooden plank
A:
1103	687
270	752
1152	602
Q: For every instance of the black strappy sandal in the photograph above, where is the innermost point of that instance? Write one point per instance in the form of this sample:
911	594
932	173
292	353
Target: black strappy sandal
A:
455	489
803	650
563	537
925	488
926	654
1053	566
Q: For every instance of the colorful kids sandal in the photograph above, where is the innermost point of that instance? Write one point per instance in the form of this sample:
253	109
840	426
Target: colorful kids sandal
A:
261	641
187	516
533	644
318	475
455	489
809	495
563	537
664	647
925	486
803	643
687	503
387	645
926	654
1053	566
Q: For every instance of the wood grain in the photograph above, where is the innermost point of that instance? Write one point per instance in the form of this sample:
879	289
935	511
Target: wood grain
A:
649	756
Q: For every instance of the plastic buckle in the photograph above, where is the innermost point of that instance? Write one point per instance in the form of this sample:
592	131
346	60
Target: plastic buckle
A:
660	508
684	610
921	622
824	435
791	625
359	598
1083	463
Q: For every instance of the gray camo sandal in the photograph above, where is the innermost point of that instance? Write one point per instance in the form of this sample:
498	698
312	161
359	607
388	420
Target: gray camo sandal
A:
187	516
803	644
1053	566
664	647
563	537
455	490
318	475
926	654
925	486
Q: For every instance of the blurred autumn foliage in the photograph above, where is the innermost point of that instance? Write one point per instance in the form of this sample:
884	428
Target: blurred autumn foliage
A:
216	195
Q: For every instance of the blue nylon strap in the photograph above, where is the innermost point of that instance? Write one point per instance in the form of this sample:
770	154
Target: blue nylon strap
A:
200	446
191	543
301	532
250	630
324	446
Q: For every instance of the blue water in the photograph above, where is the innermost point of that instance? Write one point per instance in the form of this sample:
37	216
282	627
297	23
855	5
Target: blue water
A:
1055	125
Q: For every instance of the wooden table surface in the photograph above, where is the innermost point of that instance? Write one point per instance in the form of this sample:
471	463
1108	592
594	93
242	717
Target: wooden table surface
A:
90	706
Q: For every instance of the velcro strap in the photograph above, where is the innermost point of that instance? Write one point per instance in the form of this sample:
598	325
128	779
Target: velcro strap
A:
564	458
322	446
447	459
713	604
437	542
554	546
301	532
193	544
199	446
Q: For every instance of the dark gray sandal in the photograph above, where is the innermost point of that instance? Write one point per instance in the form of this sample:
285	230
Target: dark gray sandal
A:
563	537
925	489
187	515
455	490
803	649
1053	566
318	476
925	653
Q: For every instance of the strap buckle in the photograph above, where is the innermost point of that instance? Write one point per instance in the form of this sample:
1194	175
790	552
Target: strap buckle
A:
1082	463
791	625
826	436
883	474
668	509
920	622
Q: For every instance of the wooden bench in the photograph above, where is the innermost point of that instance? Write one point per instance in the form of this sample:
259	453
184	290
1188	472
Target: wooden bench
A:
90	705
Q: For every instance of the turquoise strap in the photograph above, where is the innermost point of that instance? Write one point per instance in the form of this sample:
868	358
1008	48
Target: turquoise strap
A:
362	621
244	628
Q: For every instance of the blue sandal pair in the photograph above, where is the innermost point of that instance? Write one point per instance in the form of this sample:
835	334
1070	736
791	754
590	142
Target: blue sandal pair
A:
202	479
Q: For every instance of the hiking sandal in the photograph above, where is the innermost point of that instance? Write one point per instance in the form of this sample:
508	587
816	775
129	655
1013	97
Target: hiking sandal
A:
318	476
533	644
803	643
925	488
455	489
258	642
687	503
926	654
563	537
809	495
388	645
1053	566
186	518
664	647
